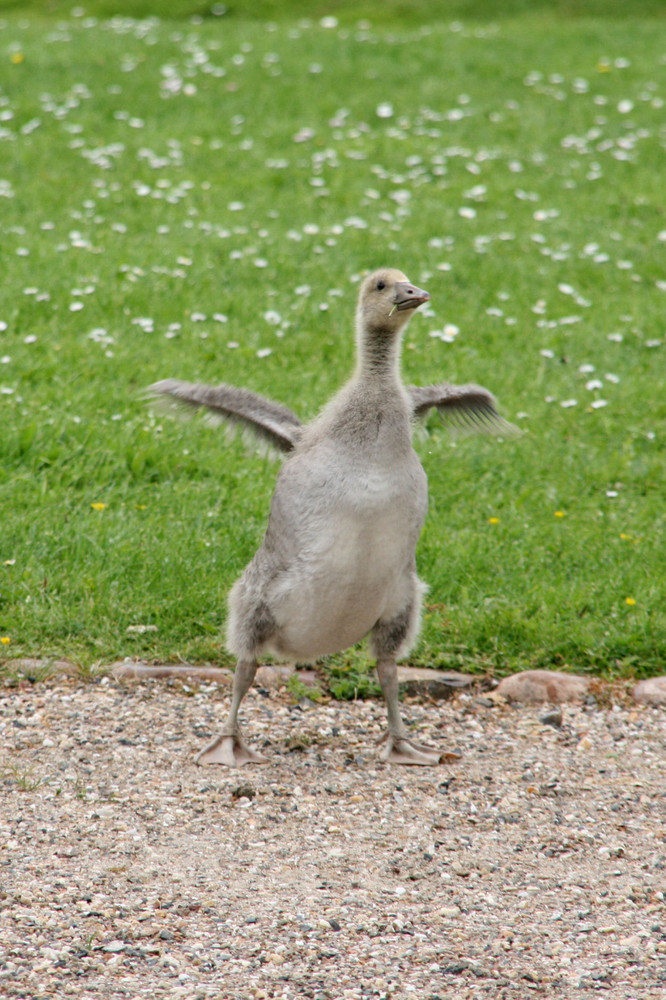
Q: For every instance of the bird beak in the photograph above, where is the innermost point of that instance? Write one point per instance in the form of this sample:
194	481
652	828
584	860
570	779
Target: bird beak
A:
408	296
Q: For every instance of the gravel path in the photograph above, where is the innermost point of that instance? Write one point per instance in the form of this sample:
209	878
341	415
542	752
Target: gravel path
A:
536	866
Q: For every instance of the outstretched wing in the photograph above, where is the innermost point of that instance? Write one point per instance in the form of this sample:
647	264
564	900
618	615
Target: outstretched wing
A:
468	408
271	422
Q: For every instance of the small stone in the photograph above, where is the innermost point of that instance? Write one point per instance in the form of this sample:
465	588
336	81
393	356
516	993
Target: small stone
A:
273	676
533	686
66	852
426	683
137	669
633	941
113	947
243	792
651	691
460	870
553	717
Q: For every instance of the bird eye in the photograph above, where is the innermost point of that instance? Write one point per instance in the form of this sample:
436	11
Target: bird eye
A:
381	285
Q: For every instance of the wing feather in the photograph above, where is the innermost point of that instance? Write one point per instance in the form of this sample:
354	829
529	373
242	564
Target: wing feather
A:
463	407
271	422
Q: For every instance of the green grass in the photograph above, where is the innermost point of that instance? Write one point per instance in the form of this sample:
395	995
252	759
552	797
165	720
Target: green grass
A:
391	12
121	194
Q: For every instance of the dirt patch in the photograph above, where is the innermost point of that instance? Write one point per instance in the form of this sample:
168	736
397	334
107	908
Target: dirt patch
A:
536	866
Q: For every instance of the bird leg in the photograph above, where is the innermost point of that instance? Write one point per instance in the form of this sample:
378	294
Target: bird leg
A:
229	747
398	747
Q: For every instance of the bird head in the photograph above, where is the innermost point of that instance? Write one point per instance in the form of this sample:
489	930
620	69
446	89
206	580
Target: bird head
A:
387	300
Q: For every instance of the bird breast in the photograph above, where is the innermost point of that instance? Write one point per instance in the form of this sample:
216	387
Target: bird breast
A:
344	537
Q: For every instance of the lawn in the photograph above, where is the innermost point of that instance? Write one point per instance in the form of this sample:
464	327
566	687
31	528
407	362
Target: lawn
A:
197	197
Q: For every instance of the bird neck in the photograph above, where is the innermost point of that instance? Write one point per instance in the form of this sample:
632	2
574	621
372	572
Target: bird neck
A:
378	356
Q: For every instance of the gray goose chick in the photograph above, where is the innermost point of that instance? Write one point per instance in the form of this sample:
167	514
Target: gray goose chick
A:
337	561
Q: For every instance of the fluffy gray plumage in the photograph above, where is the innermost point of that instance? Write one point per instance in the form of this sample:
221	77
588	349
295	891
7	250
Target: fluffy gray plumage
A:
337	561
271	422
463	407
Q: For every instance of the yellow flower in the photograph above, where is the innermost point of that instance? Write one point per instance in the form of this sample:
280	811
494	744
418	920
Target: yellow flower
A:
630	601
17	57
560	513
98	506
493	520
5	640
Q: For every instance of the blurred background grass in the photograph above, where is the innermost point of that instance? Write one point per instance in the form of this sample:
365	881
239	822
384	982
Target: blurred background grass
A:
391	12
169	184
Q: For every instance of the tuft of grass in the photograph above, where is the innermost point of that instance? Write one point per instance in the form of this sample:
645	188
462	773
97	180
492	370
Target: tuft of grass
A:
197	198
23	777
299	691
351	676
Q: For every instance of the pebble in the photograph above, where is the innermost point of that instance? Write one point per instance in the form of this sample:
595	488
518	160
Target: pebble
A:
651	691
439	685
137	669
533	686
114	946
552	718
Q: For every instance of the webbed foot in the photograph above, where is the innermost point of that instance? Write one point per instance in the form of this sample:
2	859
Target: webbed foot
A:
402	750
231	750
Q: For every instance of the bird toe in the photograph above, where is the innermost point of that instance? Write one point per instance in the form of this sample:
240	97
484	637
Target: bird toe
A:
231	751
